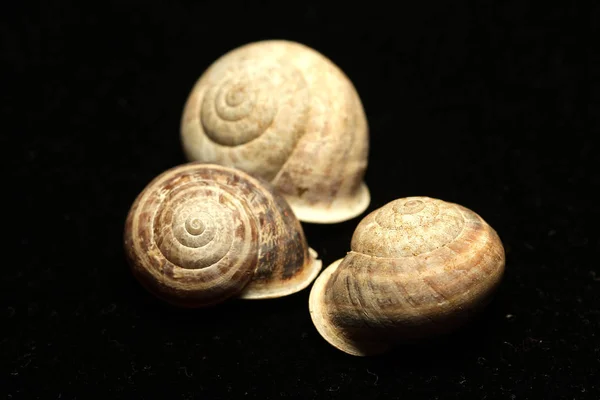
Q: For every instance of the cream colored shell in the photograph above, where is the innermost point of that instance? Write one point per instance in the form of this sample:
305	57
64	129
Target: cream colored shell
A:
418	267
199	234
284	112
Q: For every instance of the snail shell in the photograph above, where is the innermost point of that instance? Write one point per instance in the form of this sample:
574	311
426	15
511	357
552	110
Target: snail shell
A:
418	267
284	112
199	234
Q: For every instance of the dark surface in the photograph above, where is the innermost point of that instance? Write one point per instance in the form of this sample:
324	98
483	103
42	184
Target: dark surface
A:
483	104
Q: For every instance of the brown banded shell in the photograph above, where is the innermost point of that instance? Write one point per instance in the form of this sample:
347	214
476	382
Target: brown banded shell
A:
418	267
199	234
283	111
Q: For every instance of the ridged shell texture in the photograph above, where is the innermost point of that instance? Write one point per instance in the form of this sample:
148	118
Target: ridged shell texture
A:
417	267
284	112
199	234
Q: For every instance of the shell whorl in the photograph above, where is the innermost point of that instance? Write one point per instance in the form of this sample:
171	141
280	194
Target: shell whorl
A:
282	111
417	267
197	226
197	234
408	227
250	99
252	114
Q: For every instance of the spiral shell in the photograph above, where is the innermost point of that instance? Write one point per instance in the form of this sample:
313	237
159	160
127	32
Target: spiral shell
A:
199	234
284	112
418	267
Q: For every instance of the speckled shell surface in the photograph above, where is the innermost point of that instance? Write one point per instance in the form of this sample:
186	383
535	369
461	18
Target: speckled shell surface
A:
284	112
199	234
418	267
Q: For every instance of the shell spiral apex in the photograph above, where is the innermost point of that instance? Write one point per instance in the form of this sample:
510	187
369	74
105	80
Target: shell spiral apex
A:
418	267
284	112
199	234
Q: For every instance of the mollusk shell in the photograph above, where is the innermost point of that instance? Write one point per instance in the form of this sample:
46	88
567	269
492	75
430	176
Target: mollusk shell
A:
418	267
284	112
199	234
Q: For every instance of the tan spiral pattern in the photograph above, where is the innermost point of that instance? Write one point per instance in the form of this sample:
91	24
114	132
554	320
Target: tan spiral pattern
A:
197	235
282	111
419	225
417	267
245	103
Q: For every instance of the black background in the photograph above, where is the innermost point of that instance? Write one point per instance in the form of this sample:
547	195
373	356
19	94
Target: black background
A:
482	103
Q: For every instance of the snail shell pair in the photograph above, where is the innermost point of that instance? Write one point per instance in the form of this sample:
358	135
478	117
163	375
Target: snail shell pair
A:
277	135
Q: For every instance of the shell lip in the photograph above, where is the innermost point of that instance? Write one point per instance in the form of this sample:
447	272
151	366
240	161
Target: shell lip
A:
331	333
338	210
313	268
